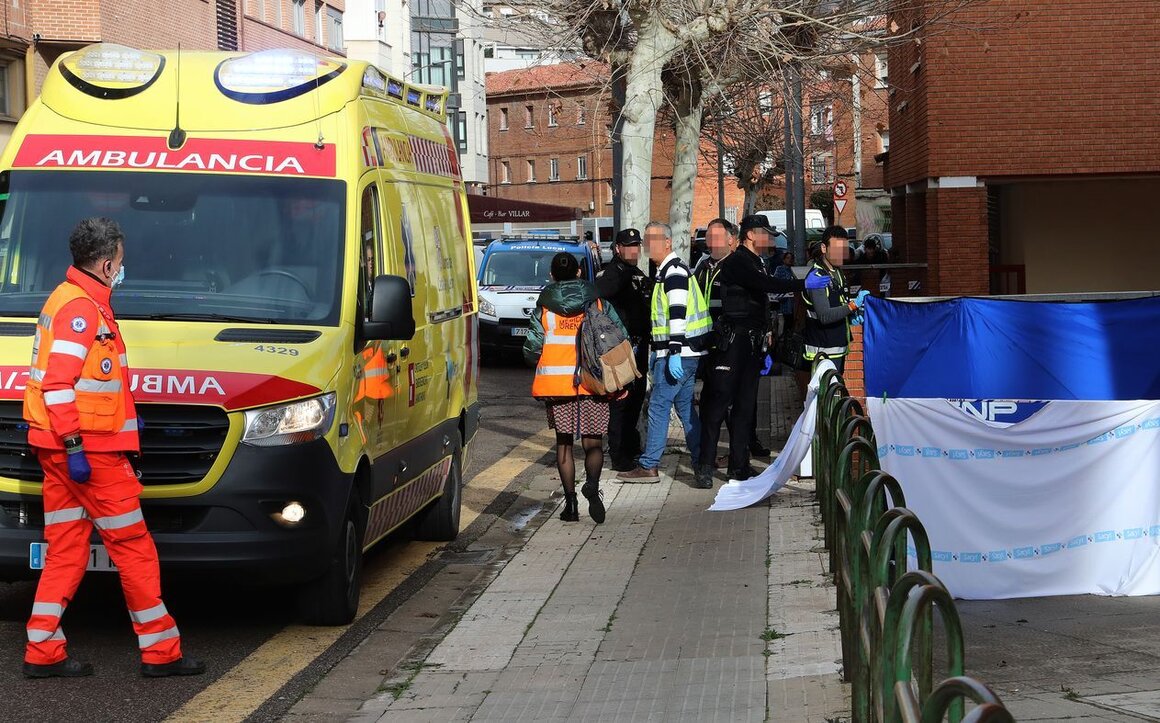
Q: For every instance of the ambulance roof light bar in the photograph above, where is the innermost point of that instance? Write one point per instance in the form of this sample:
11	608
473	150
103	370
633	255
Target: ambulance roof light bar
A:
430	99
110	71
272	76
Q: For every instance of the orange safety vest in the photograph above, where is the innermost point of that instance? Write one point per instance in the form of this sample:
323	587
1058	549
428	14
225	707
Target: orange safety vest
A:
556	370
375	382
99	393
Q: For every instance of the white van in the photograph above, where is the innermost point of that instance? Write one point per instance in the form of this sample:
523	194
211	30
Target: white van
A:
814	218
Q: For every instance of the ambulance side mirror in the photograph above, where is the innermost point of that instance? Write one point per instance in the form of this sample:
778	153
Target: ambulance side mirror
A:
391	316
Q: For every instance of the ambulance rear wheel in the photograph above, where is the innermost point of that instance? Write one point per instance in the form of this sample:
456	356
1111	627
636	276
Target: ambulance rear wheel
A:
440	521
333	598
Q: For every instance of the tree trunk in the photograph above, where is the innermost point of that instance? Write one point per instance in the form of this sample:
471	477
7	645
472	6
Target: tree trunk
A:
751	192
643	96
690	111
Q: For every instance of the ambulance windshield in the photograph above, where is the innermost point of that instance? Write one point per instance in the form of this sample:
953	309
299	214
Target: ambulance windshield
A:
197	246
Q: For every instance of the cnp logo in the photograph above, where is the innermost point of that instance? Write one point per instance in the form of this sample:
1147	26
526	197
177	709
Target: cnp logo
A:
998	412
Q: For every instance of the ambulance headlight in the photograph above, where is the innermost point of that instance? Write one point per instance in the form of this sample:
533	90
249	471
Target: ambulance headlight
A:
487	308
292	423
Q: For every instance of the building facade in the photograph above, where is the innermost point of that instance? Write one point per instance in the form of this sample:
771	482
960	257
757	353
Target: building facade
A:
37	32
551	142
1027	157
379	32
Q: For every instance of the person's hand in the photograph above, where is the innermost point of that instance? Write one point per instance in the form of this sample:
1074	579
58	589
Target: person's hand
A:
860	300
79	470
814	280
676	368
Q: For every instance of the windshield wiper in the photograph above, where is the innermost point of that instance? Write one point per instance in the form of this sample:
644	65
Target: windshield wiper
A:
202	316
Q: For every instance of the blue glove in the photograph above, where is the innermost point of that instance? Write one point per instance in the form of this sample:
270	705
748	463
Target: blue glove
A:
860	300
768	366
856	319
79	470
676	368
815	280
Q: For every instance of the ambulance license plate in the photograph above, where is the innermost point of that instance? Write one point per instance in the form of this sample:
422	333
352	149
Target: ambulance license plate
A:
519	331
98	557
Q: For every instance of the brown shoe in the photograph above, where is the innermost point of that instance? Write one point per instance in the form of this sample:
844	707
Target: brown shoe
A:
640	475
722	461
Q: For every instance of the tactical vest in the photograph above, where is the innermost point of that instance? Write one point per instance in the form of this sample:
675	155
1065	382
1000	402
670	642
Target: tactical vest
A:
833	340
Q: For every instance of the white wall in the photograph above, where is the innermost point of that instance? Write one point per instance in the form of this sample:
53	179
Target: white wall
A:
388	47
1075	236
473	93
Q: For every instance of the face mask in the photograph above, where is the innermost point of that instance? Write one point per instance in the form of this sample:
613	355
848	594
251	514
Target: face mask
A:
119	278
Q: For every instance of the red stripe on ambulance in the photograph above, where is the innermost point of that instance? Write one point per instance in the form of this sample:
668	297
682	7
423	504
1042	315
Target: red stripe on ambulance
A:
198	154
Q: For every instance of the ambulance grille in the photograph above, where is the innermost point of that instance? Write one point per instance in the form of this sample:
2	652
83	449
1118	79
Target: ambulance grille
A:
178	446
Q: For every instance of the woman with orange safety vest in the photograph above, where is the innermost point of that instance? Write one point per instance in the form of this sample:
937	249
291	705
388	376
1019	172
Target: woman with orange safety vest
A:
572	410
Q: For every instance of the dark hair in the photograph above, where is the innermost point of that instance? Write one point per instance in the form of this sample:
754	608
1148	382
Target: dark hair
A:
94	239
725	224
835	231
564	266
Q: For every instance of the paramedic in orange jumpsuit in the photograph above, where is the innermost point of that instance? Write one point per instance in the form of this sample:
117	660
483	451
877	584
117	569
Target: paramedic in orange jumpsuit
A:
82	423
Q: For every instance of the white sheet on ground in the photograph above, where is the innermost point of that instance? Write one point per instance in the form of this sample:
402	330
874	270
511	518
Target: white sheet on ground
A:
738	494
1064	501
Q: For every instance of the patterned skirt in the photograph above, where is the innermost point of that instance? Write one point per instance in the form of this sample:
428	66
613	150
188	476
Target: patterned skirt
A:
592	413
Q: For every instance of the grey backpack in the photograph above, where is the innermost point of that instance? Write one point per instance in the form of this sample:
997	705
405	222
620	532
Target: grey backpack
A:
605	362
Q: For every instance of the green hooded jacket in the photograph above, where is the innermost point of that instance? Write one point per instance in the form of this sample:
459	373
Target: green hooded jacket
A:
566	298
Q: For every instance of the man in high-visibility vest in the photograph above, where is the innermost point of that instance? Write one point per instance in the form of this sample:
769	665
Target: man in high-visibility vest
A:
680	326
82	423
731	382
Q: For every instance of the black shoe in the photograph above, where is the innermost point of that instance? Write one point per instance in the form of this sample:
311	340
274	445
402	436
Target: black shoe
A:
592	493
756	450
623	465
571	511
67	668
181	666
744	473
703	478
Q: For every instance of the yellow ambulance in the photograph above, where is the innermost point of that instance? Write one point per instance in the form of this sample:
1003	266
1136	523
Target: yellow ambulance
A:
299	304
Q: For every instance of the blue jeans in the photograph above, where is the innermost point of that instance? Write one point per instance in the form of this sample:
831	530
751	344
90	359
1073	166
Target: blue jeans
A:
667	392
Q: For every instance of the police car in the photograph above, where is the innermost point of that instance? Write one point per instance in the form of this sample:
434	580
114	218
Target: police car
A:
513	272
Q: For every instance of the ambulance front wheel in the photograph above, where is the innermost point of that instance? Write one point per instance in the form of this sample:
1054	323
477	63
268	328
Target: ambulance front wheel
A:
333	598
440	521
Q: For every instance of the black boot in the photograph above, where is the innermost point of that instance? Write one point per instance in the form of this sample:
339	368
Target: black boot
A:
181	666
67	668
571	511
703	478
591	492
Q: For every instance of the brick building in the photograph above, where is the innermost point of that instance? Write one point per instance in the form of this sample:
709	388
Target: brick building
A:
549	131
37	32
1028	156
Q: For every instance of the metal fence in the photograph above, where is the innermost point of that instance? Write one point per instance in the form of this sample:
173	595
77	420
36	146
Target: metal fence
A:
886	612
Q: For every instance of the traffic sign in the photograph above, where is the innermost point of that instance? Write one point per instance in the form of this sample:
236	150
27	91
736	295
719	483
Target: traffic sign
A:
840	189
840	205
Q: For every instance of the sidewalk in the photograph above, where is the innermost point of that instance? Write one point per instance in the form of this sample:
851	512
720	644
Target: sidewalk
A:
665	612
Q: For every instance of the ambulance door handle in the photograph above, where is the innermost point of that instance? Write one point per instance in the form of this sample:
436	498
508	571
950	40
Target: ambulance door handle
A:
392	357
405	352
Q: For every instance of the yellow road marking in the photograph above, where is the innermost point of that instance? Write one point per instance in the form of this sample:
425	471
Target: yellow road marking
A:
252	681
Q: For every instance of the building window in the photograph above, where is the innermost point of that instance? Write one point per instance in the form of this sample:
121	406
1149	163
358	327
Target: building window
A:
278	14
581	168
818	172
554	169
318	21
581	115
608	192
552	110
461	132
298	16
5	96
881	71
883	141
531	171
333	29
503	121
460	60
505	172
529	116
489	51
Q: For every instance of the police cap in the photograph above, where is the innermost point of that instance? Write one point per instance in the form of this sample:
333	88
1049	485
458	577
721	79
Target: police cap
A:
628	237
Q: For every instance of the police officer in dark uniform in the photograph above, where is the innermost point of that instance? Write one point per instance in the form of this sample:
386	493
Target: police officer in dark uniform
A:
735	363
623	284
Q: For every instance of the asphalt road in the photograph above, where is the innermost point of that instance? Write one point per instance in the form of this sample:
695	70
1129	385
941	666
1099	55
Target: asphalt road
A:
222	624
